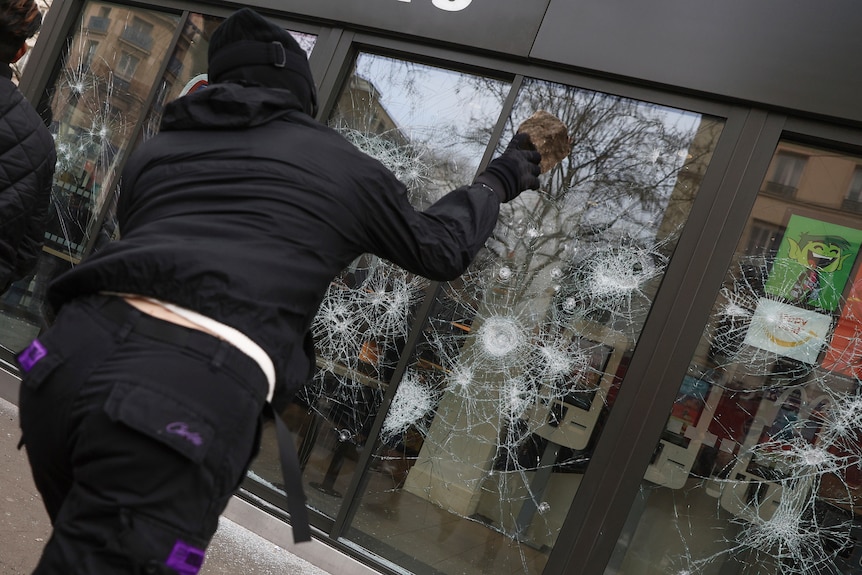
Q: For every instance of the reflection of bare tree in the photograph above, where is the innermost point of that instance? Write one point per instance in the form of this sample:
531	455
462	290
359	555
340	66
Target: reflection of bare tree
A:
445	116
623	189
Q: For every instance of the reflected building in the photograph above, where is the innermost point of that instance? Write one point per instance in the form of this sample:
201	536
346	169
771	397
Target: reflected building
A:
98	101
360	108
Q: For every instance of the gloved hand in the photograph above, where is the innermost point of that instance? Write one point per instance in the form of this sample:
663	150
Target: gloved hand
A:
515	170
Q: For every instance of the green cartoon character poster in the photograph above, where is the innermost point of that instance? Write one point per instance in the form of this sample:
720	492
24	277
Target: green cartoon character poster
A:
813	263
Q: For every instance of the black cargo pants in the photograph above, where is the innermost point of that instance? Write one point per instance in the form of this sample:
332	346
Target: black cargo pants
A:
138	431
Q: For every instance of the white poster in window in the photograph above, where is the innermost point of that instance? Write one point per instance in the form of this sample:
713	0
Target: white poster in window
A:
788	330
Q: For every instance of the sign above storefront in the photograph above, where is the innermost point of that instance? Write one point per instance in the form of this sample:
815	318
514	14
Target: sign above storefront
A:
795	55
742	53
507	26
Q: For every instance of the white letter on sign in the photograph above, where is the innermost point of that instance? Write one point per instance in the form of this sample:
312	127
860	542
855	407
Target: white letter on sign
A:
451	5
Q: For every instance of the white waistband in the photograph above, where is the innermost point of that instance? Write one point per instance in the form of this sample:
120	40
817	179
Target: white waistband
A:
231	335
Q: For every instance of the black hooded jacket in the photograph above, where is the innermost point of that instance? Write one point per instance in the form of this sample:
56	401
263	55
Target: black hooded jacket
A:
244	209
27	160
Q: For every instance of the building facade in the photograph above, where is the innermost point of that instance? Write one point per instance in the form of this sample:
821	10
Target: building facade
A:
652	367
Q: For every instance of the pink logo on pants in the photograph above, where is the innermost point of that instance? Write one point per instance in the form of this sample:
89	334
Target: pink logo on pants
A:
182	429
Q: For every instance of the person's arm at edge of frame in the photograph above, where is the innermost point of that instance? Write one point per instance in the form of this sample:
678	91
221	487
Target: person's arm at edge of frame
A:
30	248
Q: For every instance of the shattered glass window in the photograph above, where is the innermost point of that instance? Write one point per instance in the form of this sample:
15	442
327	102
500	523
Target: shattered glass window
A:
112	61
97	99
522	357
449	425
758	471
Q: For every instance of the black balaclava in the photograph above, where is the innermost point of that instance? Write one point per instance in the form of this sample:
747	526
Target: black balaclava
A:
249	49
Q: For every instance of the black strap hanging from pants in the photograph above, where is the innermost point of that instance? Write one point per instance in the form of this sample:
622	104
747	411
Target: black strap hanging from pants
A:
292	475
121	312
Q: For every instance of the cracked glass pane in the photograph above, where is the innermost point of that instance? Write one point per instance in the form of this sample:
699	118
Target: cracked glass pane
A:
461	416
523	356
97	99
758	471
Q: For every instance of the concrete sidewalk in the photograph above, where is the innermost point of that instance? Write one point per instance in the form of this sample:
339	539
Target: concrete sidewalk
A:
24	526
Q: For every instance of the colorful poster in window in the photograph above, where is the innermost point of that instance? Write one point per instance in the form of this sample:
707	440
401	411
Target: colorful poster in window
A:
788	331
813	262
845	350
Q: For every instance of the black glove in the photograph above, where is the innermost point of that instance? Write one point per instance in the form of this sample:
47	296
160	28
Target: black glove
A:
517	169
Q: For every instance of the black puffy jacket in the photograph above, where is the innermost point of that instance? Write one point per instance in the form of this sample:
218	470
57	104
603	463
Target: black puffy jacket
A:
27	160
244	209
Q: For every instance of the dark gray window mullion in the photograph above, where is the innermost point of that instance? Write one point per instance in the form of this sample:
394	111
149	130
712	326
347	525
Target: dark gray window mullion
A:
334	67
667	343
359	479
357	485
325	57
340	58
508	105
44	60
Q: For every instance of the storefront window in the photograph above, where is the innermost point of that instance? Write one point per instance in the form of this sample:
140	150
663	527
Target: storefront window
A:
485	434
187	67
758	470
522	357
96	102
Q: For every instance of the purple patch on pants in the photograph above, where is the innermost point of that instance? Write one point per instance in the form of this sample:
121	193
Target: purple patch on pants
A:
31	355
185	559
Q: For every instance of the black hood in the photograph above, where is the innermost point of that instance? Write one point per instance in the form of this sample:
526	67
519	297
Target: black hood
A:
229	107
249	49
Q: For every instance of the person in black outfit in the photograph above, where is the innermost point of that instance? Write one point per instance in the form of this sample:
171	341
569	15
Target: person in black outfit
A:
141	406
27	154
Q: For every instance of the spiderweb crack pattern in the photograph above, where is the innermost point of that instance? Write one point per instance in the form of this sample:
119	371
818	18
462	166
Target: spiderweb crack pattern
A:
363	320
522	353
413	403
795	498
405	162
567	278
87	155
361	323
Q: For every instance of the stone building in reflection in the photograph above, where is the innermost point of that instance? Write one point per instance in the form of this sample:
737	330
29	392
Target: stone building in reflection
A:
828	184
101	92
